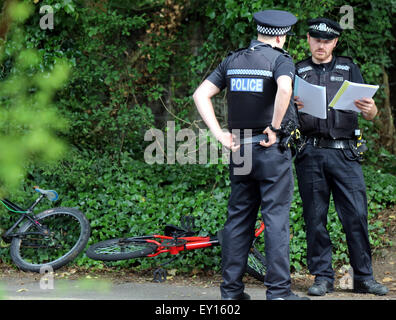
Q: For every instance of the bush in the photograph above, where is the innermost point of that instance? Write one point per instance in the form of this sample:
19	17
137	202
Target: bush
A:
135	64
131	197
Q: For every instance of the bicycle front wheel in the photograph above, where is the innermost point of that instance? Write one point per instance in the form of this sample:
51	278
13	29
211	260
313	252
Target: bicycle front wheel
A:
68	231
121	249
256	265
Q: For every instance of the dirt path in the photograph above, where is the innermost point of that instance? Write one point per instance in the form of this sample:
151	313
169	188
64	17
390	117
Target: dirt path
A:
71	284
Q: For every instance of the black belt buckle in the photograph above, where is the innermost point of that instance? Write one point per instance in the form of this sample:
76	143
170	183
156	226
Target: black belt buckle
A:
315	142
319	142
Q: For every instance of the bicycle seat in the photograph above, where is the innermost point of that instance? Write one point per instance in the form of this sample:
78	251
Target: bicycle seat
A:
175	231
186	229
52	195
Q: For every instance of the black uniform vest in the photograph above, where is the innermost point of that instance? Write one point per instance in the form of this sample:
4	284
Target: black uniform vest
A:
251	88
339	124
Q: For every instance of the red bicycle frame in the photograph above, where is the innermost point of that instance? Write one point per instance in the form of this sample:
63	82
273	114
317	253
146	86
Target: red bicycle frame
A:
190	243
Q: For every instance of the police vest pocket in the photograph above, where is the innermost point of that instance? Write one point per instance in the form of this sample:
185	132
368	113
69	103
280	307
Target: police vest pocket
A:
345	120
308	122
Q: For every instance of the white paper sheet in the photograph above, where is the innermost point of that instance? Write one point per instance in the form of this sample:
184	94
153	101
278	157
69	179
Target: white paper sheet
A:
349	92
313	97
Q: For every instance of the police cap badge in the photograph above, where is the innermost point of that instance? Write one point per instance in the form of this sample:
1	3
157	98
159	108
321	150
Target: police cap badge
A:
323	28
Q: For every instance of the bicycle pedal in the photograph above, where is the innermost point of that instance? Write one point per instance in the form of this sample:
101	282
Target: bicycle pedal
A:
5	238
160	275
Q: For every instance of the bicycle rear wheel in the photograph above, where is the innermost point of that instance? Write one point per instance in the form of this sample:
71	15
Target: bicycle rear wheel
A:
68	234
121	249
256	265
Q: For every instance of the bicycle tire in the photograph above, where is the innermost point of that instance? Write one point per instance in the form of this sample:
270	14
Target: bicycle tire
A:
256	265
70	231
121	249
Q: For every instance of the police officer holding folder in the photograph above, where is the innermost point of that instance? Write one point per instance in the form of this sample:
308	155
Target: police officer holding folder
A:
259	87
329	165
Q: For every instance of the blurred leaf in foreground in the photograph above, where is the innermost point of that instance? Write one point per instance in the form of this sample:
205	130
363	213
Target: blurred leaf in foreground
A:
29	122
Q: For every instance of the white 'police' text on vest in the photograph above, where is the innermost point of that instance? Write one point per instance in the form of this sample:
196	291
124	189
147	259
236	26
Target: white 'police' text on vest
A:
247	84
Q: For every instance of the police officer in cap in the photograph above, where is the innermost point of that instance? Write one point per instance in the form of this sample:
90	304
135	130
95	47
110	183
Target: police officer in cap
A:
329	164
258	80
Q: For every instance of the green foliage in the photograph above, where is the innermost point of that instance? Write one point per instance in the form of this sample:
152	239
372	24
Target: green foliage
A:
29	122
129	197
134	65
133	198
102	83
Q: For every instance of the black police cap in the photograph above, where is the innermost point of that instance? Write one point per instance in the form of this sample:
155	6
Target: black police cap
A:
274	22
324	28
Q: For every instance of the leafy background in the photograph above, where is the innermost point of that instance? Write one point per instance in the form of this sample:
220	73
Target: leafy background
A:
133	65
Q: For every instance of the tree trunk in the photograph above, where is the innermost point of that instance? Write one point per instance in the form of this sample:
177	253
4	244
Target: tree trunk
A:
5	19
387	127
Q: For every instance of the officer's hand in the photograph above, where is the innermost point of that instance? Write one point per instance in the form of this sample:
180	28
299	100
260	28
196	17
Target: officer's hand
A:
271	138
298	102
367	106
228	140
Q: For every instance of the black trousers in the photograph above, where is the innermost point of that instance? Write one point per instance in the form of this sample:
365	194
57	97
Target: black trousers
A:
269	184
321	172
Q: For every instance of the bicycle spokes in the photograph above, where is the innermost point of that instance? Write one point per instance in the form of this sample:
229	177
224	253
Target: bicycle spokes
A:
122	246
56	236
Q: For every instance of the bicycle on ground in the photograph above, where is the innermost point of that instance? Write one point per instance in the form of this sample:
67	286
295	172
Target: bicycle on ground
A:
49	239
174	240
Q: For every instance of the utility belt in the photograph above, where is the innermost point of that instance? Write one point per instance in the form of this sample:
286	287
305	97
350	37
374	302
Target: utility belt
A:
330	143
288	137
257	139
357	146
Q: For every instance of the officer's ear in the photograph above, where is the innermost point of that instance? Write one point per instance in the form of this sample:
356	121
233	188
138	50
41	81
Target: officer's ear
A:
280	40
309	39
335	43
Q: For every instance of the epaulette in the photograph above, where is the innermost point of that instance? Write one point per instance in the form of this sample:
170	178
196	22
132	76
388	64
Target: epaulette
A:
303	60
343	63
235	51
282	51
349	59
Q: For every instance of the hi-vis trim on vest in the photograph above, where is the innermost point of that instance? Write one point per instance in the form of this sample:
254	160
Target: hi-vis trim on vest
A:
246	84
305	69
342	67
249	72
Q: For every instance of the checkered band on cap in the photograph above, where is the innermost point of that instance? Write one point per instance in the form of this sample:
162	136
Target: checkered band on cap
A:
273	31
324	28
